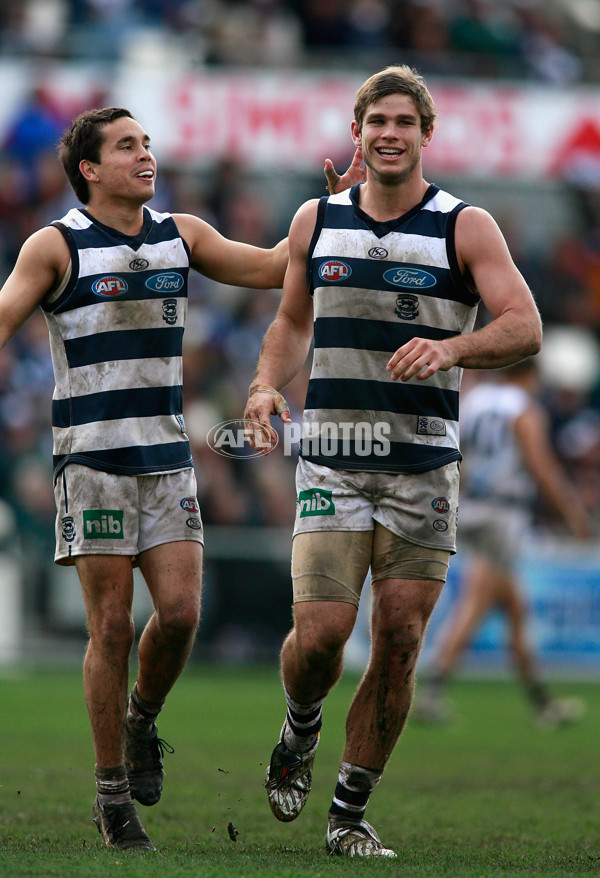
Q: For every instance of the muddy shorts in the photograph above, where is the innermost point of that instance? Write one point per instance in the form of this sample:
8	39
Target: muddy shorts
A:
102	513
399	527
420	507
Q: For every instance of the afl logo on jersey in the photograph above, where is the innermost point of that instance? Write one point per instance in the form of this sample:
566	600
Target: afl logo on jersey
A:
109	287
411	278
378	253
334	270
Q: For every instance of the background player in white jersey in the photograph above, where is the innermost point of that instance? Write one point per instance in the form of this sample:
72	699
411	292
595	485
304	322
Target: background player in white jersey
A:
112	280
387	277
508	462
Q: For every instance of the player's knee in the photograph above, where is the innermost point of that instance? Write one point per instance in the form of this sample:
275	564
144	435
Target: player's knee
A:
179	619
322	646
404	639
396	639
114	633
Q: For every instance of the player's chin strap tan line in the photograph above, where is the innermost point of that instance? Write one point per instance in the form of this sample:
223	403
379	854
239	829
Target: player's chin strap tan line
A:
281	405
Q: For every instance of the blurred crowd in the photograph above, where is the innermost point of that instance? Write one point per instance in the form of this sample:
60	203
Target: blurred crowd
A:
548	40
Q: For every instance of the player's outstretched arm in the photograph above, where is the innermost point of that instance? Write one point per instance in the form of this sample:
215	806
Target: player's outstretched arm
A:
232	262
243	265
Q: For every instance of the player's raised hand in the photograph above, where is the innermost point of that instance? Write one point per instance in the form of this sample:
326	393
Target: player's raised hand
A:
354	174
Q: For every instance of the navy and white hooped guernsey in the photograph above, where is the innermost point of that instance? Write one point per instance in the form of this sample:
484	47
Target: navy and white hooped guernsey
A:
116	331
376	286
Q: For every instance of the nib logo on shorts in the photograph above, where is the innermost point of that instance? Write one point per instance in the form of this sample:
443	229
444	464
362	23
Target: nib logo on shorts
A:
103	524
315	501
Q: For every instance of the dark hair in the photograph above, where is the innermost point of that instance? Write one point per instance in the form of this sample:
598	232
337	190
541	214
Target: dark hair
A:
82	140
396	79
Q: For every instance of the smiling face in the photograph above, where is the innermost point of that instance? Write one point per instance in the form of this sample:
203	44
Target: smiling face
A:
392	139
127	168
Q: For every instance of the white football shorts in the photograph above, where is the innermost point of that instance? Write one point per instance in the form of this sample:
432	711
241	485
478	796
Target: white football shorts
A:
420	507
102	513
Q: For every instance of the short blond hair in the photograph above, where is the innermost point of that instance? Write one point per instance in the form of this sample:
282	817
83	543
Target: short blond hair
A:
396	79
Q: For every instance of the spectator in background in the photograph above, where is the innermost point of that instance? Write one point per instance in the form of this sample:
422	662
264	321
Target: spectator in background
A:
507	459
485	27
543	48
324	23
35	129
262	32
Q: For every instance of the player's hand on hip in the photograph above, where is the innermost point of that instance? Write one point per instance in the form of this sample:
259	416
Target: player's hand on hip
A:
263	402
355	174
419	358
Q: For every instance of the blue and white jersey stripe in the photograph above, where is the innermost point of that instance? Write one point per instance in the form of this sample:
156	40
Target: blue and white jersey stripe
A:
116	331
375	287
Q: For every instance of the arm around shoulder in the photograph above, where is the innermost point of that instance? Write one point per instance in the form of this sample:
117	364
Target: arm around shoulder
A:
232	262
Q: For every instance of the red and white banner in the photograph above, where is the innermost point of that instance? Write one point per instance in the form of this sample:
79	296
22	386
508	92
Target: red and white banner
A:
293	120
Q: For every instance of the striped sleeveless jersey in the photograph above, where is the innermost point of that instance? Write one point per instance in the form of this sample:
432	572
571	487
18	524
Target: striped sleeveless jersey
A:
376	286
116	332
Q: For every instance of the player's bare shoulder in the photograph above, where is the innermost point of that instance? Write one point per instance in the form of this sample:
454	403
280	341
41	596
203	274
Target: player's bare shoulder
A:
474	227
43	261
190	226
306	215
45	252
303	224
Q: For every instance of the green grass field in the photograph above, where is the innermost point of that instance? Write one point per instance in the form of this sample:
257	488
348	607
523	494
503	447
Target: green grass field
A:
490	794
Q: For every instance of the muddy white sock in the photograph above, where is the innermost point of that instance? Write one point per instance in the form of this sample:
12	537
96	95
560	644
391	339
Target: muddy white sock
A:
112	786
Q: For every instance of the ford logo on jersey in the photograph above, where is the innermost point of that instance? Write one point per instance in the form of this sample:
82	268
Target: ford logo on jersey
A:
166	282
109	287
411	278
334	270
